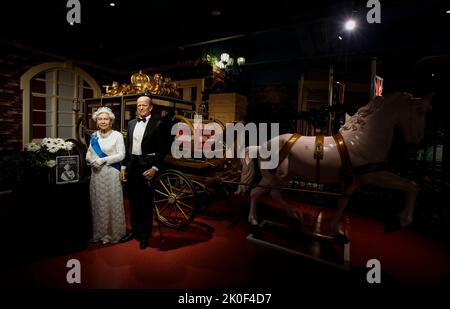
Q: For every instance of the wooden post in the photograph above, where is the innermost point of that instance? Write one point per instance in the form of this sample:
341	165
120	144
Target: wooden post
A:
300	102
330	96
373	75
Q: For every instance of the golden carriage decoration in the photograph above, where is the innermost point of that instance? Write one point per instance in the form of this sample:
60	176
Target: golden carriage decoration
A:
142	83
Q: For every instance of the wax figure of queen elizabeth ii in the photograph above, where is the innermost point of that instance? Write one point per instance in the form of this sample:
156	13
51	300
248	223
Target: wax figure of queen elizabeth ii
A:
106	151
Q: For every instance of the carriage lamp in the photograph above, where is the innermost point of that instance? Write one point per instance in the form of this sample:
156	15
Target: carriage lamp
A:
226	61
224	58
76	105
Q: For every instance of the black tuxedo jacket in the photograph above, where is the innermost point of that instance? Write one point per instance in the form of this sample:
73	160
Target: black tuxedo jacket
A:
156	140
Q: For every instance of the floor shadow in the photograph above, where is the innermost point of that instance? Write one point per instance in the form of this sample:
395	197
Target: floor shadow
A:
197	232
233	209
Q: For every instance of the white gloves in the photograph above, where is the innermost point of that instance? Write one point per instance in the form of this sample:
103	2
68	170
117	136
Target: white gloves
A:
98	163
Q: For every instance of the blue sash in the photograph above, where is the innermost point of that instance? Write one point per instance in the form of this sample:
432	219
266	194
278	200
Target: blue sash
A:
96	146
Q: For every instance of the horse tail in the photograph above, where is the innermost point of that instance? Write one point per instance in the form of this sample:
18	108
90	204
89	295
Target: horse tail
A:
248	171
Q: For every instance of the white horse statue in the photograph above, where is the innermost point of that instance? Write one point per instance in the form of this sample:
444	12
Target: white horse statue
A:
348	157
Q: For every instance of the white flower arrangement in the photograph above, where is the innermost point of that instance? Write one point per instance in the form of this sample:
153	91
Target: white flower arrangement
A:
44	153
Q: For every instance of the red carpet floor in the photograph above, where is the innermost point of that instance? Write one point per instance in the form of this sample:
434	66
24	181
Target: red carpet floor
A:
213	253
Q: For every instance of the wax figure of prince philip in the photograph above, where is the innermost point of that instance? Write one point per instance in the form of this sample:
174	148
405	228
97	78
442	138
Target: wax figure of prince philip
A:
147	142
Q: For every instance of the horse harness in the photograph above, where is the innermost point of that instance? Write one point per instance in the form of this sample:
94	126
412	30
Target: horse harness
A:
348	171
287	147
346	163
318	154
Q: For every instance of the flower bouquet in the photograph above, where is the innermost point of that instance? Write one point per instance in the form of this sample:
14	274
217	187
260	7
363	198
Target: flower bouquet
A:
41	157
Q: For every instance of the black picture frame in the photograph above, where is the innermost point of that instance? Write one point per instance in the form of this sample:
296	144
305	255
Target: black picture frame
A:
67	169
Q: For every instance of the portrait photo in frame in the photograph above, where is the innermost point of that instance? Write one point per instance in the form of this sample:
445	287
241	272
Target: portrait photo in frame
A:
67	169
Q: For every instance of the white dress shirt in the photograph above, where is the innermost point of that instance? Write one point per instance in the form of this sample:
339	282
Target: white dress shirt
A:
138	134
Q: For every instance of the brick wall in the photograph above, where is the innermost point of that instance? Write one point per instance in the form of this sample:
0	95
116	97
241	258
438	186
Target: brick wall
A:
14	62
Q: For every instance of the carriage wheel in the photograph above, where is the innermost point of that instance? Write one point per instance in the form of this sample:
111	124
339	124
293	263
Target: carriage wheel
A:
175	200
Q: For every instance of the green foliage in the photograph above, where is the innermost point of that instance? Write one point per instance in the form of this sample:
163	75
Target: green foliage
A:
211	59
32	165
11	167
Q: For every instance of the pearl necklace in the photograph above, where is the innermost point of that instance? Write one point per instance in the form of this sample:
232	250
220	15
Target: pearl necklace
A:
105	135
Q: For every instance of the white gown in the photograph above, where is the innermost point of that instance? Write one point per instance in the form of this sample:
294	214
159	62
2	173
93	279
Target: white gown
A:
108	215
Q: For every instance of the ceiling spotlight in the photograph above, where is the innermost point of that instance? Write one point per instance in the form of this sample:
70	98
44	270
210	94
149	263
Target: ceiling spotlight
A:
447	12
340	37
350	25
432	74
112	4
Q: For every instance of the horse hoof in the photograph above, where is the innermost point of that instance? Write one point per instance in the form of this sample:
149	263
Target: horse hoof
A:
296	216
299	217
341	239
255	230
252	221
404	222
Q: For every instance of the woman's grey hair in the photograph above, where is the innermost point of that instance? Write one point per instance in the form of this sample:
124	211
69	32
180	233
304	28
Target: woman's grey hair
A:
101	110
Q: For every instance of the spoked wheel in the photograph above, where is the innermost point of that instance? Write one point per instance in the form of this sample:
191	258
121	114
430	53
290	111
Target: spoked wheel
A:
175	200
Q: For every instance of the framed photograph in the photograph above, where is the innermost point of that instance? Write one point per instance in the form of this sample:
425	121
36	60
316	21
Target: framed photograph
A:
67	169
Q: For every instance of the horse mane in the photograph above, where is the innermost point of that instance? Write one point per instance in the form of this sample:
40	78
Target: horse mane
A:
358	119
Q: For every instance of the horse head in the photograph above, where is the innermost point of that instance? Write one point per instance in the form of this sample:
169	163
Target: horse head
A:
411	117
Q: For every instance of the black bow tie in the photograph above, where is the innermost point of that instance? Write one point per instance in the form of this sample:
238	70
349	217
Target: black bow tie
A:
141	119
